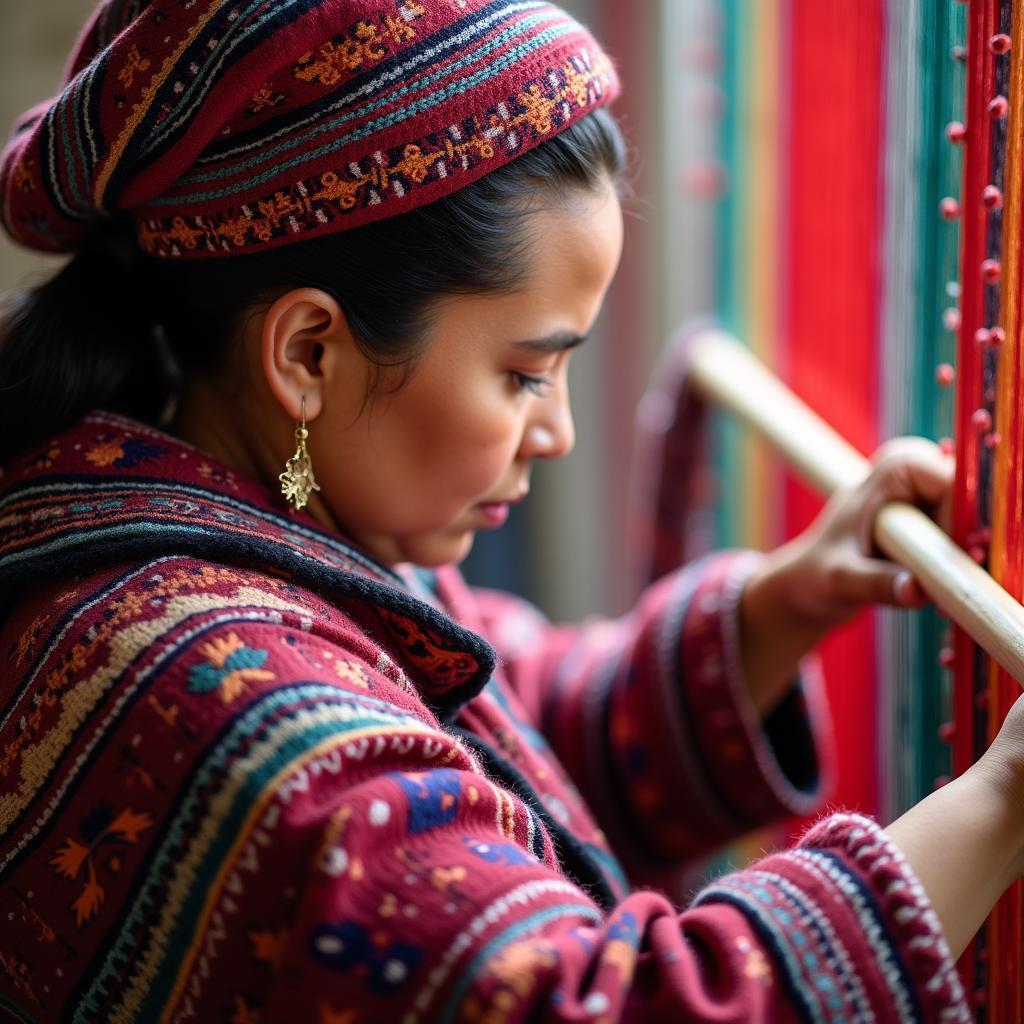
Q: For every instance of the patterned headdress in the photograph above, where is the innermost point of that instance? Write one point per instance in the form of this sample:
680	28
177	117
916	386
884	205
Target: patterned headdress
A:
231	126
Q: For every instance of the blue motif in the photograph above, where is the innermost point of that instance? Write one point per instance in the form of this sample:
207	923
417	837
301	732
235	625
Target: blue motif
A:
625	929
499	853
347	944
433	798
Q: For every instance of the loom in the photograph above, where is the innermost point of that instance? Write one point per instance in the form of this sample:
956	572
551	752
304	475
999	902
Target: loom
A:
870	256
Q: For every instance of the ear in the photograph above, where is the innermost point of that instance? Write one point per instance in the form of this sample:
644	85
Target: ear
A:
300	337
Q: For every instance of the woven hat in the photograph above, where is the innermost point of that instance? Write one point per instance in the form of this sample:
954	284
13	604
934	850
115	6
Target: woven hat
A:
231	126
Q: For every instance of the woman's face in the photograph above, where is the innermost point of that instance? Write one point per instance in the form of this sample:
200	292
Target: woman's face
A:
411	476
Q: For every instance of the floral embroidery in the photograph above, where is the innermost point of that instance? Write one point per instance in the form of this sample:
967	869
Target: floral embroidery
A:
45	459
99	829
229	667
28	640
755	965
264	99
218	475
366	43
427	649
244	1013
328	1015
269	946
306	206
19	973
23	175
352	672
123	452
135	63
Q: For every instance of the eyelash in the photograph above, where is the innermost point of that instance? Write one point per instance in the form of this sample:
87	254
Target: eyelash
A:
535	385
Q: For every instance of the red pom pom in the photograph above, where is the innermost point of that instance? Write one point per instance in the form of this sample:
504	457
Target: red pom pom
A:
992	440
992	198
951	318
997	336
1000	44
991	270
956	132
944	375
978	553
946	732
983	337
946	445
981	420
946	657
949	208
998	107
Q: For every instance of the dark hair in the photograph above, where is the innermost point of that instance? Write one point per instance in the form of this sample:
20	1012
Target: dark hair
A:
115	329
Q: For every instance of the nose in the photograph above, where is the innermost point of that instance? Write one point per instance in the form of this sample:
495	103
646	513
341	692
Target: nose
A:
549	432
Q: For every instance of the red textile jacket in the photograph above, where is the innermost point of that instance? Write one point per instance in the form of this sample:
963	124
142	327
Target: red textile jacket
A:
249	775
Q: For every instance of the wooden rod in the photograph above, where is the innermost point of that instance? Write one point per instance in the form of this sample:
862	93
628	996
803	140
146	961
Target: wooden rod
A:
726	372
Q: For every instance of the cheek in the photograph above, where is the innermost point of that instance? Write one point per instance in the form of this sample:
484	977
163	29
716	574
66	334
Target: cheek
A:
465	444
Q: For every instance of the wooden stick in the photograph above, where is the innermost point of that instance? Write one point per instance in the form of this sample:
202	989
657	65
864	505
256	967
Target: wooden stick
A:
726	372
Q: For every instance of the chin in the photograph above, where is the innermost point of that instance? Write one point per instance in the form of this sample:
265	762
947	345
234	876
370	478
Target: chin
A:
434	552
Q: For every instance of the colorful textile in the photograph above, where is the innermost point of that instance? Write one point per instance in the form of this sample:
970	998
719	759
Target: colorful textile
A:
232	126
247	774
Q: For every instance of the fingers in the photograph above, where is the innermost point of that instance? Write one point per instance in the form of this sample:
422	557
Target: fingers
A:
906	591
908	469
913	469
873	580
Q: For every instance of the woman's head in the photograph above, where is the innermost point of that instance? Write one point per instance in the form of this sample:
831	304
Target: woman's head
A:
414	472
426	403
364	320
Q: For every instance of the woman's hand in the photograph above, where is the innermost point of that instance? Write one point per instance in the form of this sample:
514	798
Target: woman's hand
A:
830	571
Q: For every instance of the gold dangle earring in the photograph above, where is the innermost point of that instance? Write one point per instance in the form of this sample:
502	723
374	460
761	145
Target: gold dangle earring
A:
297	480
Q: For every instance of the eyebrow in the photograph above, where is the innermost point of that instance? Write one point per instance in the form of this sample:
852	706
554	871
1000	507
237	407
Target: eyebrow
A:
560	341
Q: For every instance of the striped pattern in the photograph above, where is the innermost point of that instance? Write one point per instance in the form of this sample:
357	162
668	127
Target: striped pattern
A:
230	125
792	899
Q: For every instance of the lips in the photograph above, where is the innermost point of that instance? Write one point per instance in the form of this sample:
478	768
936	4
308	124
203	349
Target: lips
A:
495	512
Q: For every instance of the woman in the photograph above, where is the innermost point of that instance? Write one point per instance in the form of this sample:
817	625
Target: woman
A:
265	756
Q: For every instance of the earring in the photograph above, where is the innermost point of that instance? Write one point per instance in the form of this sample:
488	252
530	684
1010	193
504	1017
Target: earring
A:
297	480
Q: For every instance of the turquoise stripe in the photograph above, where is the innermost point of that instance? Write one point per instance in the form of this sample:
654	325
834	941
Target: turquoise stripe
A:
205	75
52	165
756	900
368	108
66	106
372	127
183	826
732	258
512	933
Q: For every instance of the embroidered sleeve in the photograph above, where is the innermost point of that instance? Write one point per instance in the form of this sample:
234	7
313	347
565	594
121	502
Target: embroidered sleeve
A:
649	715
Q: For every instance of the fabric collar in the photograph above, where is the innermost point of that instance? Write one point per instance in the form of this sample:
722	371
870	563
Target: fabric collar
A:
112	490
